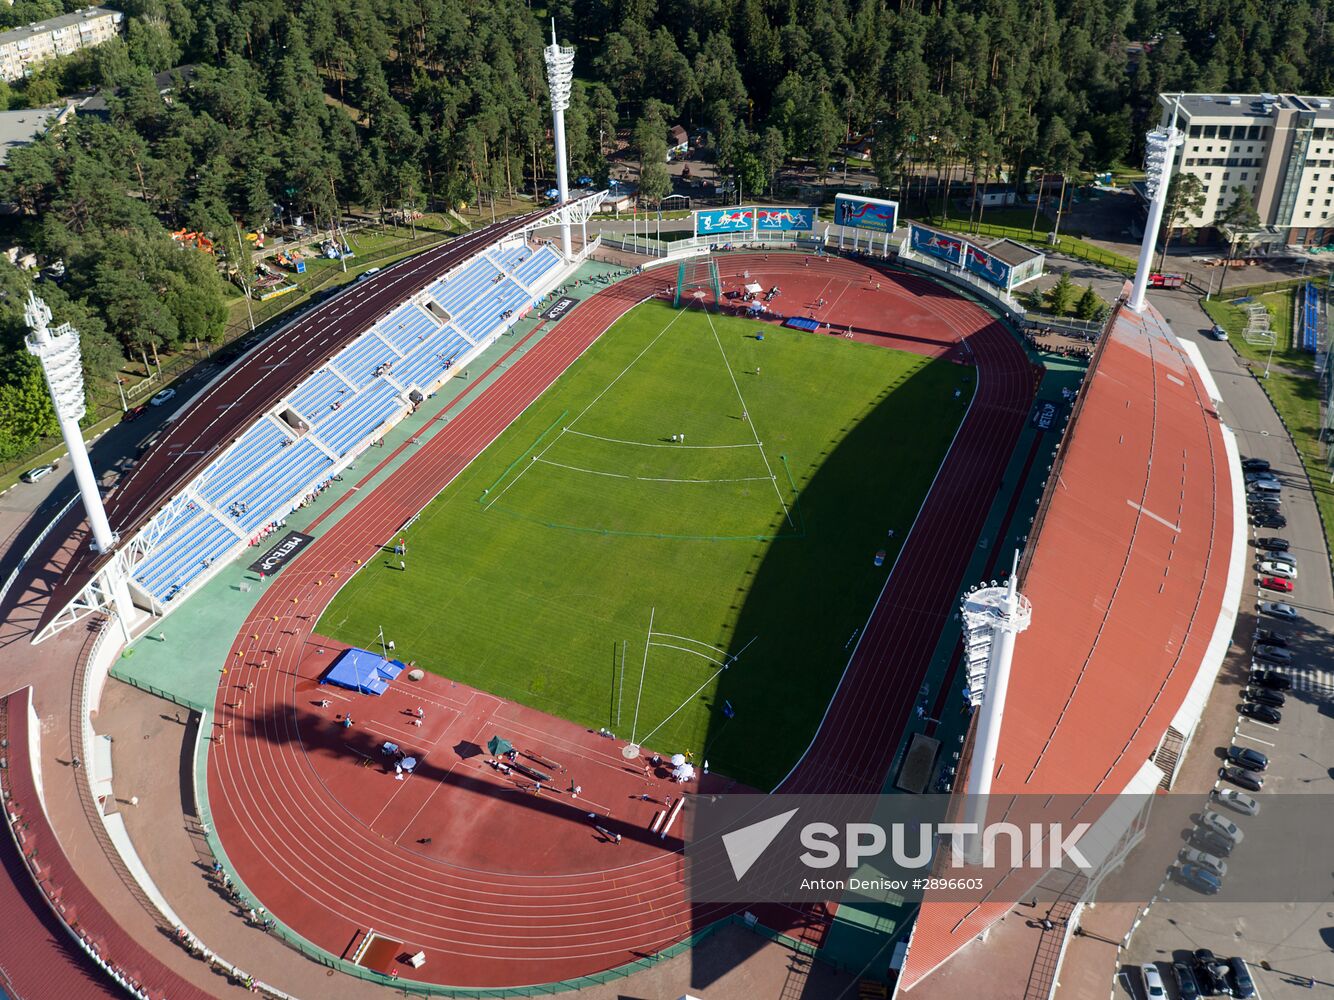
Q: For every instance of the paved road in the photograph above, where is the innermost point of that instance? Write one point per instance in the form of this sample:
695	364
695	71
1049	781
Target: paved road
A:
1297	939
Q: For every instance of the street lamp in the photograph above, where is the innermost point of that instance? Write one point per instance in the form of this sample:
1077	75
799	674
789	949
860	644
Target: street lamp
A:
560	76
1161	151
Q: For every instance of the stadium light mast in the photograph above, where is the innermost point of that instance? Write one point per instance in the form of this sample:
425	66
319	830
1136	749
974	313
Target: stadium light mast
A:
1161	149
58	352
560	75
992	617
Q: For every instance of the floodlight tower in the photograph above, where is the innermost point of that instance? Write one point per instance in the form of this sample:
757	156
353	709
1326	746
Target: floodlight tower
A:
1160	152
58	352
992	617
560	75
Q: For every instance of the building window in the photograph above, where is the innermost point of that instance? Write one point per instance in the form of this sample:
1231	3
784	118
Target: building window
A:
1195	131
1210	131
1208	176
1245	176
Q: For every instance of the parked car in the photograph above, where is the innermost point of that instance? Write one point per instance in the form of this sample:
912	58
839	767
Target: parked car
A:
1274	654
38	474
1254	465
1209	862
1278	555
1262	713
1212	973
1271	679
1273	542
1261	476
1271	637
1276	583
1277	609
1247	758
1264	696
1153	982
1263	519
1194	877
1234	799
1211	842
1251	782
1223	825
1282	570
1265	486
1188	988
165	396
1240	976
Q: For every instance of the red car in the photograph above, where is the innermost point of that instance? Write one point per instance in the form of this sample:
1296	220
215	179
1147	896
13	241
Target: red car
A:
1274	583
134	413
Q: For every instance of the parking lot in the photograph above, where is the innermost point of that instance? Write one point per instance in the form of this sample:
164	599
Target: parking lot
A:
1289	946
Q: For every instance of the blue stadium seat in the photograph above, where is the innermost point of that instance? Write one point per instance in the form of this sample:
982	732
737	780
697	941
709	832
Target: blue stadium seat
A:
185	551
318	393
359	359
406	327
254	448
356	417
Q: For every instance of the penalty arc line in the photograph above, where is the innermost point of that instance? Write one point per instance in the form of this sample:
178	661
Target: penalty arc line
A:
644	479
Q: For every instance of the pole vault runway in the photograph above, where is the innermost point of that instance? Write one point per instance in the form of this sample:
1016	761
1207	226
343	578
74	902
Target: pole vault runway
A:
514	887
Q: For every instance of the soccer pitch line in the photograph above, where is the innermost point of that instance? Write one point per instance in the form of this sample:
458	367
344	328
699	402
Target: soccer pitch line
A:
644	479
746	413
659	444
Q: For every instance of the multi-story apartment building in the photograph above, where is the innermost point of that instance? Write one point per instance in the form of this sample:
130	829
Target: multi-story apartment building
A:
21	49
1278	146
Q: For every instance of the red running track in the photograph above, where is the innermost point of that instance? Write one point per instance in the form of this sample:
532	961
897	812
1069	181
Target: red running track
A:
332	877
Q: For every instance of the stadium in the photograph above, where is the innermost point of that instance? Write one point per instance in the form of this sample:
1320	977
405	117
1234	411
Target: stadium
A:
472	576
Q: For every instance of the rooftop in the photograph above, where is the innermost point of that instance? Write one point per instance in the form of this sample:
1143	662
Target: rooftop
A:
1012	251
52	23
1256	106
23	128
1127	573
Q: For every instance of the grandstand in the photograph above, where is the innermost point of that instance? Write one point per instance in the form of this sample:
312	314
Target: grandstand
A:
1306	331
318	423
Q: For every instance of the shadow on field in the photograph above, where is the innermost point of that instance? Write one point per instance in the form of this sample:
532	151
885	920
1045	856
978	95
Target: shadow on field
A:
803	600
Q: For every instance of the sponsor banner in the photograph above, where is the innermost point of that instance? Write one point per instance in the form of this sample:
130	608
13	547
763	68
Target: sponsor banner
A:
559	308
724	220
875	214
987	266
936	244
1007	848
1044	414
281	554
784	219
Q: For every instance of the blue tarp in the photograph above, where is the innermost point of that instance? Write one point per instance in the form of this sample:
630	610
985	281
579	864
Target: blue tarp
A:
802	323
364	671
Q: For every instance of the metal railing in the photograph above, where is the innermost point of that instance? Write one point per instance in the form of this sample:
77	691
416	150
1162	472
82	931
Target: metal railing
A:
9	582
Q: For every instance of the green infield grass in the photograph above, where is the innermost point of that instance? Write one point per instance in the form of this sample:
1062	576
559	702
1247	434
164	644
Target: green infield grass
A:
693	594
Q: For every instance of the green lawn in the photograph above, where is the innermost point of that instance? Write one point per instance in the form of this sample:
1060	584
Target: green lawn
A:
534	575
1292	386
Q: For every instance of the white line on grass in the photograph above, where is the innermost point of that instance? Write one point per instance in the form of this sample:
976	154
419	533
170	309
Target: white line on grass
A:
565	430
658	444
750	423
692	652
646	479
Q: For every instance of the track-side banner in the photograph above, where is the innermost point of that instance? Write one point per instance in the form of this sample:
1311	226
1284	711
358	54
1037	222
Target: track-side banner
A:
750	218
281	554
987	265
724	220
874	214
936	244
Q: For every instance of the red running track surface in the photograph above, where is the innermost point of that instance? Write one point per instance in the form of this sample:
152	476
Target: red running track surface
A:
555	902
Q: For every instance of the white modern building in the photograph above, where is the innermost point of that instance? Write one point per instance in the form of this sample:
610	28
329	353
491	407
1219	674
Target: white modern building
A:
1280	147
22	49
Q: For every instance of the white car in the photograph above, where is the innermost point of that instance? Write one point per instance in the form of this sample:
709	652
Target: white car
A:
1195	856
1153	982
1277	609
165	396
1229	829
1286	571
38	474
1238	800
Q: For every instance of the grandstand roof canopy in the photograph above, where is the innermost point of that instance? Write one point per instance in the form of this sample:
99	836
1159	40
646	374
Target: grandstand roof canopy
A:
1127	573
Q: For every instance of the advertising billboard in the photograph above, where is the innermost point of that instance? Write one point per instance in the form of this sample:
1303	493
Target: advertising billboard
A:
986	265
936	244
724	220
784	219
866	213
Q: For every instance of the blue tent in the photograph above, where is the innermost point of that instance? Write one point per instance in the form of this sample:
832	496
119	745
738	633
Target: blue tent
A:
364	671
